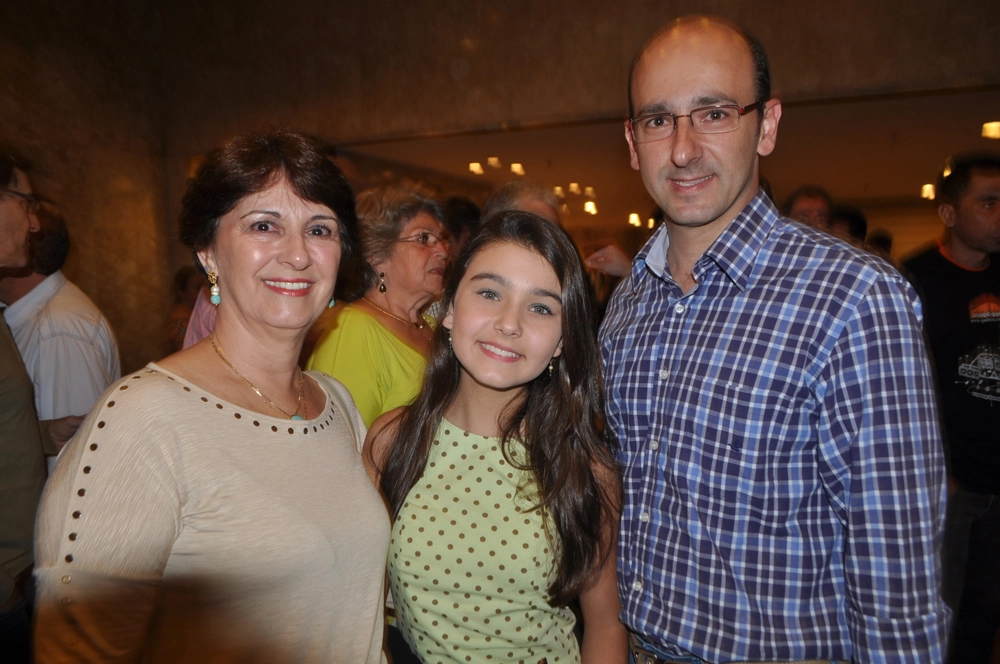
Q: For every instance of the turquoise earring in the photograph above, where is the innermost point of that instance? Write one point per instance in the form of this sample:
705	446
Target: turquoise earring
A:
214	280
333	301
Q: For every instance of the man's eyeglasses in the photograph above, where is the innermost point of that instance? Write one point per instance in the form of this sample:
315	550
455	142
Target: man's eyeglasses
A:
717	119
426	239
30	201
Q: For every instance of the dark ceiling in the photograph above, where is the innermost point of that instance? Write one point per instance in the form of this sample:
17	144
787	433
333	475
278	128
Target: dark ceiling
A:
872	152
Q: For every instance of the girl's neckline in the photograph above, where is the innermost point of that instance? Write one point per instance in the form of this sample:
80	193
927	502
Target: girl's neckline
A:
194	386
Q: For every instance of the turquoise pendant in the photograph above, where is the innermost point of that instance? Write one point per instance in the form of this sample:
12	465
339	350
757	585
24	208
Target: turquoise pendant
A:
296	417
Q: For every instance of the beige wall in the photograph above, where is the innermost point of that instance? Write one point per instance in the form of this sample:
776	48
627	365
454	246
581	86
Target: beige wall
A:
113	100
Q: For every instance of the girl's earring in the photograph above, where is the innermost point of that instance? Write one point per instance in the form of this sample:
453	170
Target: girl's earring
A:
213	279
551	367
449	340
381	282
333	301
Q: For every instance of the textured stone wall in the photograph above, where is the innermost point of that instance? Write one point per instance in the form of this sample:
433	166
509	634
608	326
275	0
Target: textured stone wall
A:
79	95
114	100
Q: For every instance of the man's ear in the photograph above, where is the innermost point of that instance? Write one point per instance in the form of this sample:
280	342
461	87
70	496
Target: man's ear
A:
946	211
633	156
769	127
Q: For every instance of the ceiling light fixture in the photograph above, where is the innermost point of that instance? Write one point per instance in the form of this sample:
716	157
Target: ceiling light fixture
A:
589	192
991	130
517	169
558	191
476	168
493	161
633	219
927	191
590	207
574	187
652	222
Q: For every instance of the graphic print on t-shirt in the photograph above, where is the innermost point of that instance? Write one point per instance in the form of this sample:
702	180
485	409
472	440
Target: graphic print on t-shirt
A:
980	369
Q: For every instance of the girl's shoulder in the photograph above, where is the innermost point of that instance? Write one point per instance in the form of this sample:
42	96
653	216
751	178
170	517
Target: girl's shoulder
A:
381	433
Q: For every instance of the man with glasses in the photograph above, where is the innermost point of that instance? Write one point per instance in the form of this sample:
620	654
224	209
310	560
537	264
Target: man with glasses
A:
771	396
65	341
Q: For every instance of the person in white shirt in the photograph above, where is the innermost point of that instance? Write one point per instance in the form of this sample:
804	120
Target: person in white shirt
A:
67	345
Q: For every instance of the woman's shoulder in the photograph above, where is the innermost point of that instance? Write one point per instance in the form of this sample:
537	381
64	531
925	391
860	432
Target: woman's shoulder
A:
349	327
151	383
341	399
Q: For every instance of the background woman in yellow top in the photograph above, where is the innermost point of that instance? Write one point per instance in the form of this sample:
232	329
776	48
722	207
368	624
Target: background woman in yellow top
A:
377	345
503	492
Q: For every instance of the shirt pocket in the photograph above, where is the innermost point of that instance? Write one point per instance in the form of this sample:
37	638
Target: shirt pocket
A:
747	439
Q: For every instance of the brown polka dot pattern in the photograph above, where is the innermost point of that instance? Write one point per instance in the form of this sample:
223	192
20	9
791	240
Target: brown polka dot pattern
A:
81	492
469	561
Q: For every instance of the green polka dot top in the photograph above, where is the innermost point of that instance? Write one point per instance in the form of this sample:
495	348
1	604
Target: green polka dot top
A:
469	561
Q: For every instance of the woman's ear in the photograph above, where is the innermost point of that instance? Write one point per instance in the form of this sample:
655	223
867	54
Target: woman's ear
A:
207	260
558	348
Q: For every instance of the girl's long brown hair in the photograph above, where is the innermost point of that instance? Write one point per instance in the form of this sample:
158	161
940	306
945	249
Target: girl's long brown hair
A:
559	419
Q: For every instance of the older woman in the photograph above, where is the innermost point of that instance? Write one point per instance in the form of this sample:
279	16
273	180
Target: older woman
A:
378	344
214	506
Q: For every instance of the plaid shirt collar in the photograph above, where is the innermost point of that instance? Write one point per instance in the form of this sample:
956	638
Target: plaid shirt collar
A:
734	251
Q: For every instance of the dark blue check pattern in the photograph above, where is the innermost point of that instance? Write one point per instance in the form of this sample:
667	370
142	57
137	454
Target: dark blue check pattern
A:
784	478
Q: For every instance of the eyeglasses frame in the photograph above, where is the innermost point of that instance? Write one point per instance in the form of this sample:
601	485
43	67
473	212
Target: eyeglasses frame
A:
740	110
32	202
413	238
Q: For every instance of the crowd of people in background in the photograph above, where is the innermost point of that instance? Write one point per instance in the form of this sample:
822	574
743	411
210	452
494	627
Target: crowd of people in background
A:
388	423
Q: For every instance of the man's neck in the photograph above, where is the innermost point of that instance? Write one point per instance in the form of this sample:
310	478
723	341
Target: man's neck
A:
13	288
687	245
961	254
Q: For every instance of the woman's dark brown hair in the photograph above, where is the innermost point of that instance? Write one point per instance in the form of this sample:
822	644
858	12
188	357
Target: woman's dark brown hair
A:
252	162
559	418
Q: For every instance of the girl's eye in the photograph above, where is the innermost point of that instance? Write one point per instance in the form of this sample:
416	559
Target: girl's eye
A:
488	294
541	309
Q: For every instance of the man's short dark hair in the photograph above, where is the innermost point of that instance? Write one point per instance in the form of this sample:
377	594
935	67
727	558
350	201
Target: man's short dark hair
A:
49	246
761	68
956	175
853	218
10	160
807	191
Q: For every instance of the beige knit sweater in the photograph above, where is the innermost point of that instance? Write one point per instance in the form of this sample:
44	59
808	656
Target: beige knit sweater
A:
178	527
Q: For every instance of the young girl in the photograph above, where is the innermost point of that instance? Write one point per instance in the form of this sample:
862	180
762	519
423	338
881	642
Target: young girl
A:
504	495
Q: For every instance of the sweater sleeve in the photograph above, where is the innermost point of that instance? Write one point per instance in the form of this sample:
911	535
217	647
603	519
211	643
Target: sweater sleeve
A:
107	522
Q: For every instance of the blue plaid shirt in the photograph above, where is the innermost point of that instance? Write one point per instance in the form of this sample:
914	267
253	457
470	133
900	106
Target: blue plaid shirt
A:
784	478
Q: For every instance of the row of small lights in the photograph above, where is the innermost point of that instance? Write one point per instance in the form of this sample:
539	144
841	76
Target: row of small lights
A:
990	130
494	162
633	220
589	207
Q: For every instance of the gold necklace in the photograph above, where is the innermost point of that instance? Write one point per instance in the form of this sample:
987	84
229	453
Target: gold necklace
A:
302	384
419	325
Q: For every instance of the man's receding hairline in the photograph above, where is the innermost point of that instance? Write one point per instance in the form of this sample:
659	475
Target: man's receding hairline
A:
695	21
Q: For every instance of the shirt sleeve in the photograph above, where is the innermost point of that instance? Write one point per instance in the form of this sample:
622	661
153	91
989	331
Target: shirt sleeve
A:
107	522
352	353
882	463
72	374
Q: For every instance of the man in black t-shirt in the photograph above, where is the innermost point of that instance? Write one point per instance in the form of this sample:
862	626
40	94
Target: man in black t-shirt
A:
959	283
